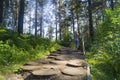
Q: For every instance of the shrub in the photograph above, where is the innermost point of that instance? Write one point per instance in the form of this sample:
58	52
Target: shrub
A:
18	49
105	51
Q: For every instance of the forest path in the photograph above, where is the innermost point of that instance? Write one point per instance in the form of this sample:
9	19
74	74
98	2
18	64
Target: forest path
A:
64	64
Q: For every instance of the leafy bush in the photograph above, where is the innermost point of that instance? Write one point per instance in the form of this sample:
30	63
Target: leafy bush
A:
18	49
66	39
104	55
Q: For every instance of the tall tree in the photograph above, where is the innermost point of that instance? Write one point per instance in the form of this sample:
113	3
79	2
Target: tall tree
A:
55	3
21	16
36	17
41	16
56	22
112	5
71	8
91	31
1	11
59	11
56	25
73	23
15	14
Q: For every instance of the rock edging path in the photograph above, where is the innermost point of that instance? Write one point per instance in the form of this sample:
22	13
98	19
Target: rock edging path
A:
64	64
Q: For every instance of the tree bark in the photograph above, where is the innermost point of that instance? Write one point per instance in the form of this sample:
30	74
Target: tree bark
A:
1	11
78	28
112	5
59	20
41	19
36	18
73	24
21	16
56	24
91	31
16	15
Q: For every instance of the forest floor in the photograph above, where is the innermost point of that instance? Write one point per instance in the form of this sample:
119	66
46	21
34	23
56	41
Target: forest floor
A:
63	64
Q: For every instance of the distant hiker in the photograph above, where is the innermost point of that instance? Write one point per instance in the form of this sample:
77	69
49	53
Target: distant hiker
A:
76	39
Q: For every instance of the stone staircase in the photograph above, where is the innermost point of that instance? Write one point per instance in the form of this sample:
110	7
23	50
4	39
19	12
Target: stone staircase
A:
64	64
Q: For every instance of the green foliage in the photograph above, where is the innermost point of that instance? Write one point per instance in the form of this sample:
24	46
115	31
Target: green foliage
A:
18	71
104	55
18	49
66	39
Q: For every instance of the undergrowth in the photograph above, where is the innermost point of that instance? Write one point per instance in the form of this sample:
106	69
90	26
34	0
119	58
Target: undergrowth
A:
16	49
104	53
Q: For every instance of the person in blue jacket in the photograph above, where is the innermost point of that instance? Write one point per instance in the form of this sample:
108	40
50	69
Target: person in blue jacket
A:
76	39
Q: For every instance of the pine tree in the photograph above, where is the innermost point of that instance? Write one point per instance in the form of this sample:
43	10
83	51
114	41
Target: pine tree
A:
21	16
1	11
91	31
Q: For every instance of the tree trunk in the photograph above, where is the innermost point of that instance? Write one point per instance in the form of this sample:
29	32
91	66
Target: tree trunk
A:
30	25
36	18
59	20
21	16
1	11
78	28
15	11
16	15
73	24
5	12
41	19
56	24
112	5
91	31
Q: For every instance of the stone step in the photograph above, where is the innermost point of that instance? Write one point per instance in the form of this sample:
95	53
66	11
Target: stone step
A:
61	57
73	71
31	68
59	62
32	63
47	66
46	72
76	63
44	61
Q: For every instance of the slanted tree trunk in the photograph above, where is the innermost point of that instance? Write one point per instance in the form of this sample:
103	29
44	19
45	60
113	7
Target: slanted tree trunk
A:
1	11
21	16
91	31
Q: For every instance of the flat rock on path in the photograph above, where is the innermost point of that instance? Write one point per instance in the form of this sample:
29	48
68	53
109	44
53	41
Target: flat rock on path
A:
31	63
30	68
47	66
73	71
60	57
77	63
46	72
59	62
